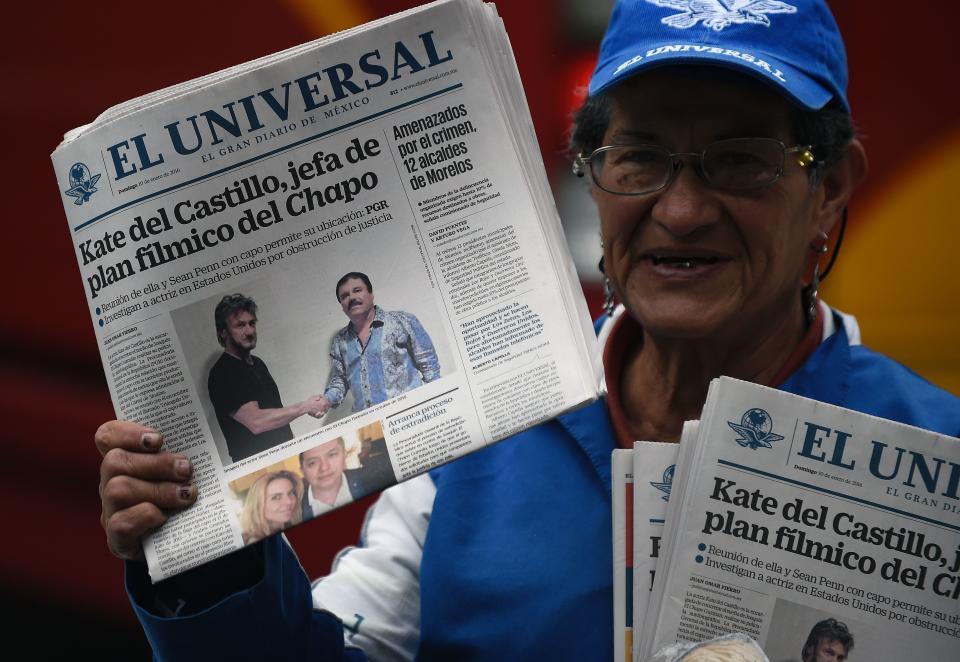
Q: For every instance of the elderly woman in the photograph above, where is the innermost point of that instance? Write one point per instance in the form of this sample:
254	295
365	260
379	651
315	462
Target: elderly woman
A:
720	157
272	504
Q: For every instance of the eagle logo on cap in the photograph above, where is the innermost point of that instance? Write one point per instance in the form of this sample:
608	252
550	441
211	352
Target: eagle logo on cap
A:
719	14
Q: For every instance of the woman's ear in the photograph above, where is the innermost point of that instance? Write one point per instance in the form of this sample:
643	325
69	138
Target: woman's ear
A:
838	183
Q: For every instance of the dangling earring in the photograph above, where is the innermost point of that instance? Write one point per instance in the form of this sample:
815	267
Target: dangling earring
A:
608	303
810	291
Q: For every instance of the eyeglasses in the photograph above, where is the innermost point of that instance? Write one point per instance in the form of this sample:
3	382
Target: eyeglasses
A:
738	164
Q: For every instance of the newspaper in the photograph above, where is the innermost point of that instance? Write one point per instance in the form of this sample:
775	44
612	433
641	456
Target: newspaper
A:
400	153
792	511
654	467
623	552
641	481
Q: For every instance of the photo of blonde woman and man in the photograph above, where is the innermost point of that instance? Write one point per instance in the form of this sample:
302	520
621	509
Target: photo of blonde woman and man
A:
320	478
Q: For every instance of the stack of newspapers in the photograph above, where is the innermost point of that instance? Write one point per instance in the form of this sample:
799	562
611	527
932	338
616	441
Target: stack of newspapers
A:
347	250
775	513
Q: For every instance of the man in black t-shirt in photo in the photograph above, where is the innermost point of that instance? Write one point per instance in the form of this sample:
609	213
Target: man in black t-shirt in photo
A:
242	391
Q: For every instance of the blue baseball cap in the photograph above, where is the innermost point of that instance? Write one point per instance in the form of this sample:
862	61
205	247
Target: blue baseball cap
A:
794	46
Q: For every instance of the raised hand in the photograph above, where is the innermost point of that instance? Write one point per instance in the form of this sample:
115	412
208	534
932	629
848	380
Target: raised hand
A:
138	484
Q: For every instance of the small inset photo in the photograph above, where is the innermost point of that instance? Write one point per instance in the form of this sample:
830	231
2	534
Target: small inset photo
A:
322	477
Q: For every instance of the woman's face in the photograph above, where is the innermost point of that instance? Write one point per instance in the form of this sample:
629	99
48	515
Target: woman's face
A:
691	261
280	503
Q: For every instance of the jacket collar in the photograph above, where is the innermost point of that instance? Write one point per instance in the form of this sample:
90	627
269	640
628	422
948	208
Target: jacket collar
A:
825	376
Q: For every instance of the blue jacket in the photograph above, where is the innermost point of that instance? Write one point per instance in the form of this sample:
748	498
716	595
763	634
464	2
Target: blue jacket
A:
516	561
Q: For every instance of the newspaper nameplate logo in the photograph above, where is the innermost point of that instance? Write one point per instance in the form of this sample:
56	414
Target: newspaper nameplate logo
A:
717	14
666	483
755	429
83	183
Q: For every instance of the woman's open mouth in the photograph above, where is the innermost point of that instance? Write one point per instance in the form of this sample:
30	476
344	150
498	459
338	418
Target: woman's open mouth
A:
682	261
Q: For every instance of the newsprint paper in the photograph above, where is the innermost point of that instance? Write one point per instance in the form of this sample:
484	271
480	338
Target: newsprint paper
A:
623	543
401	150
654	466
791	512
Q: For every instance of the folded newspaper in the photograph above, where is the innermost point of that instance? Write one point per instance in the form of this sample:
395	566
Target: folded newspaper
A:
624	541
787	512
327	270
641	482
654	466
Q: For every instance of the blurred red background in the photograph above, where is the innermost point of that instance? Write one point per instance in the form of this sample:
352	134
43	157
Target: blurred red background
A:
66	63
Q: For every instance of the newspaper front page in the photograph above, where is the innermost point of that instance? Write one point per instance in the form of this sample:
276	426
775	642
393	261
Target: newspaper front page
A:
792	512
391	168
654	466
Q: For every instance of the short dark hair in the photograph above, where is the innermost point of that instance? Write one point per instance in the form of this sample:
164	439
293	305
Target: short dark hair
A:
229	305
829	629
348	276
590	123
343	445
828	130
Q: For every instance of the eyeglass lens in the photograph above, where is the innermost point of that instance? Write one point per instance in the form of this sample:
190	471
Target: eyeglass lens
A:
739	163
